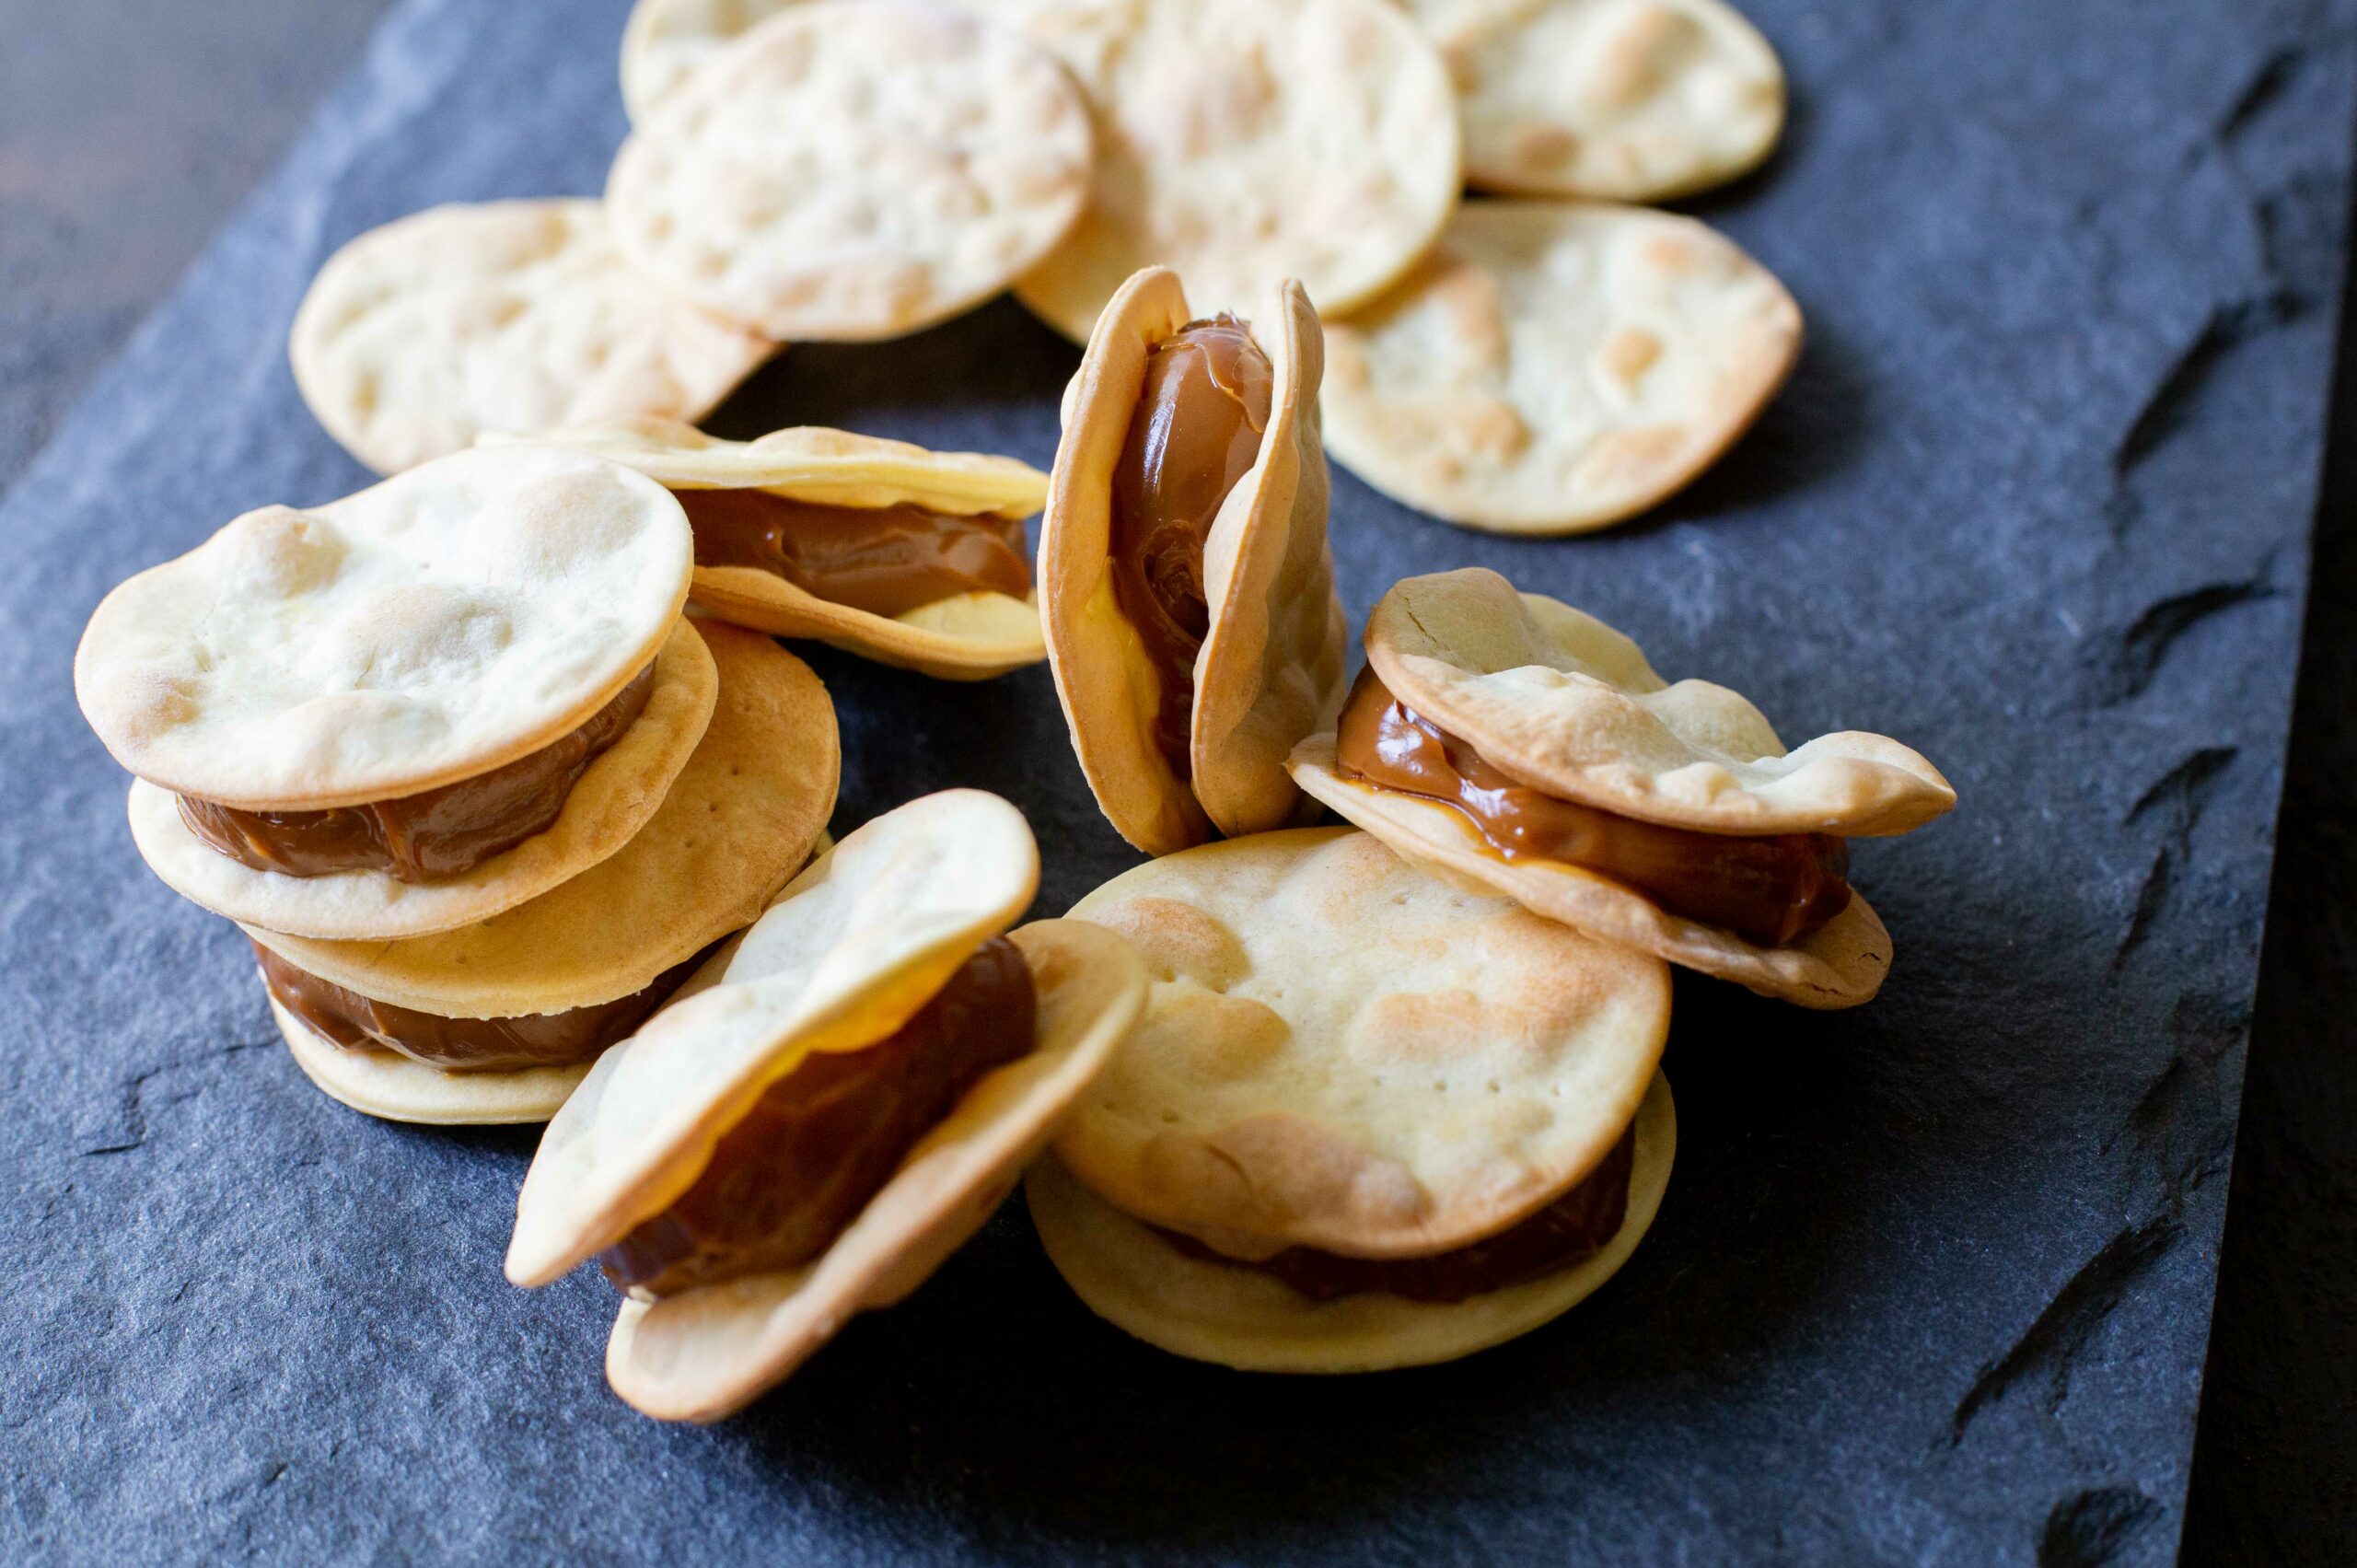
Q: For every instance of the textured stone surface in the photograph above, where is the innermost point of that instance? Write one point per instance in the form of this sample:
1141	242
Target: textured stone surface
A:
128	129
2275	1459
1933	1279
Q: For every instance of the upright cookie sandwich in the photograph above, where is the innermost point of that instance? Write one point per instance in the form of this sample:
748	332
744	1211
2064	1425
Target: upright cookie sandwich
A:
1508	743
1185	584
1367	1120
411	709
828	1110
498	1021
883	548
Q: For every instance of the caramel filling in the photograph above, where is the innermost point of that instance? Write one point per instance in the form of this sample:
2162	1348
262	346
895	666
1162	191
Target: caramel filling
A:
355	1022
1772	889
1569	1230
1196	432
434	834
884	560
821	1141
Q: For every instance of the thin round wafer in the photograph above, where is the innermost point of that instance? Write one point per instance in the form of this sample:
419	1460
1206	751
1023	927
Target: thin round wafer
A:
1627	100
735	825
854	169
1556	366
1241	143
499	316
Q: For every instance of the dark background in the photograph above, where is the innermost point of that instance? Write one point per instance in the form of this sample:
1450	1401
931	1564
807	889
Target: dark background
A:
130	129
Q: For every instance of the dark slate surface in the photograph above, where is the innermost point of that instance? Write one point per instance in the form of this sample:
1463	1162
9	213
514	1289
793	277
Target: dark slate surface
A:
2275	1456
1933	1281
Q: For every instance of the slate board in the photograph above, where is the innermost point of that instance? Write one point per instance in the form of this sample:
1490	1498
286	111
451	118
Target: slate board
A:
1933	1279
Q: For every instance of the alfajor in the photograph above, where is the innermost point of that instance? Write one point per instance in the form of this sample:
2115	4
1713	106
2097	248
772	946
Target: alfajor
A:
408	710
499	1021
1367	1120
1509	743
902	555
1186	588
828	1110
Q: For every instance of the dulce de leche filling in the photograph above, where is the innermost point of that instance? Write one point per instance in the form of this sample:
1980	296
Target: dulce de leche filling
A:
1196	432
1772	889
821	1141
431	835
355	1022
1569	1230
884	560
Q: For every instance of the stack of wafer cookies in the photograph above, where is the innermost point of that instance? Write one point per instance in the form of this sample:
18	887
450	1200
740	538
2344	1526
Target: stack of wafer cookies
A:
500	769
449	753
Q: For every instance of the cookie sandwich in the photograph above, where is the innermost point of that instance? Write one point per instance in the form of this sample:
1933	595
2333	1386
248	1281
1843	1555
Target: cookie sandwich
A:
498	1021
880	548
1508	743
828	1108
408	710
499	316
1368	1121
1185	584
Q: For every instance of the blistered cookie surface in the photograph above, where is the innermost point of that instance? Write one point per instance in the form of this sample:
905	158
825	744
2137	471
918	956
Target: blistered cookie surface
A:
499	316
1241	143
426	630
1339	1051
1565	702
1555	366
855	169
1631	100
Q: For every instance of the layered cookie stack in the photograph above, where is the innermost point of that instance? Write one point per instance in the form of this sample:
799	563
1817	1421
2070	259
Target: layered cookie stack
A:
514	838
448	752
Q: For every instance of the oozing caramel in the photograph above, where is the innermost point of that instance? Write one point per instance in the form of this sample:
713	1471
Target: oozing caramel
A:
1572	1229
347	1019
884	560
1196	432
1772	889
821	1141
434	834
